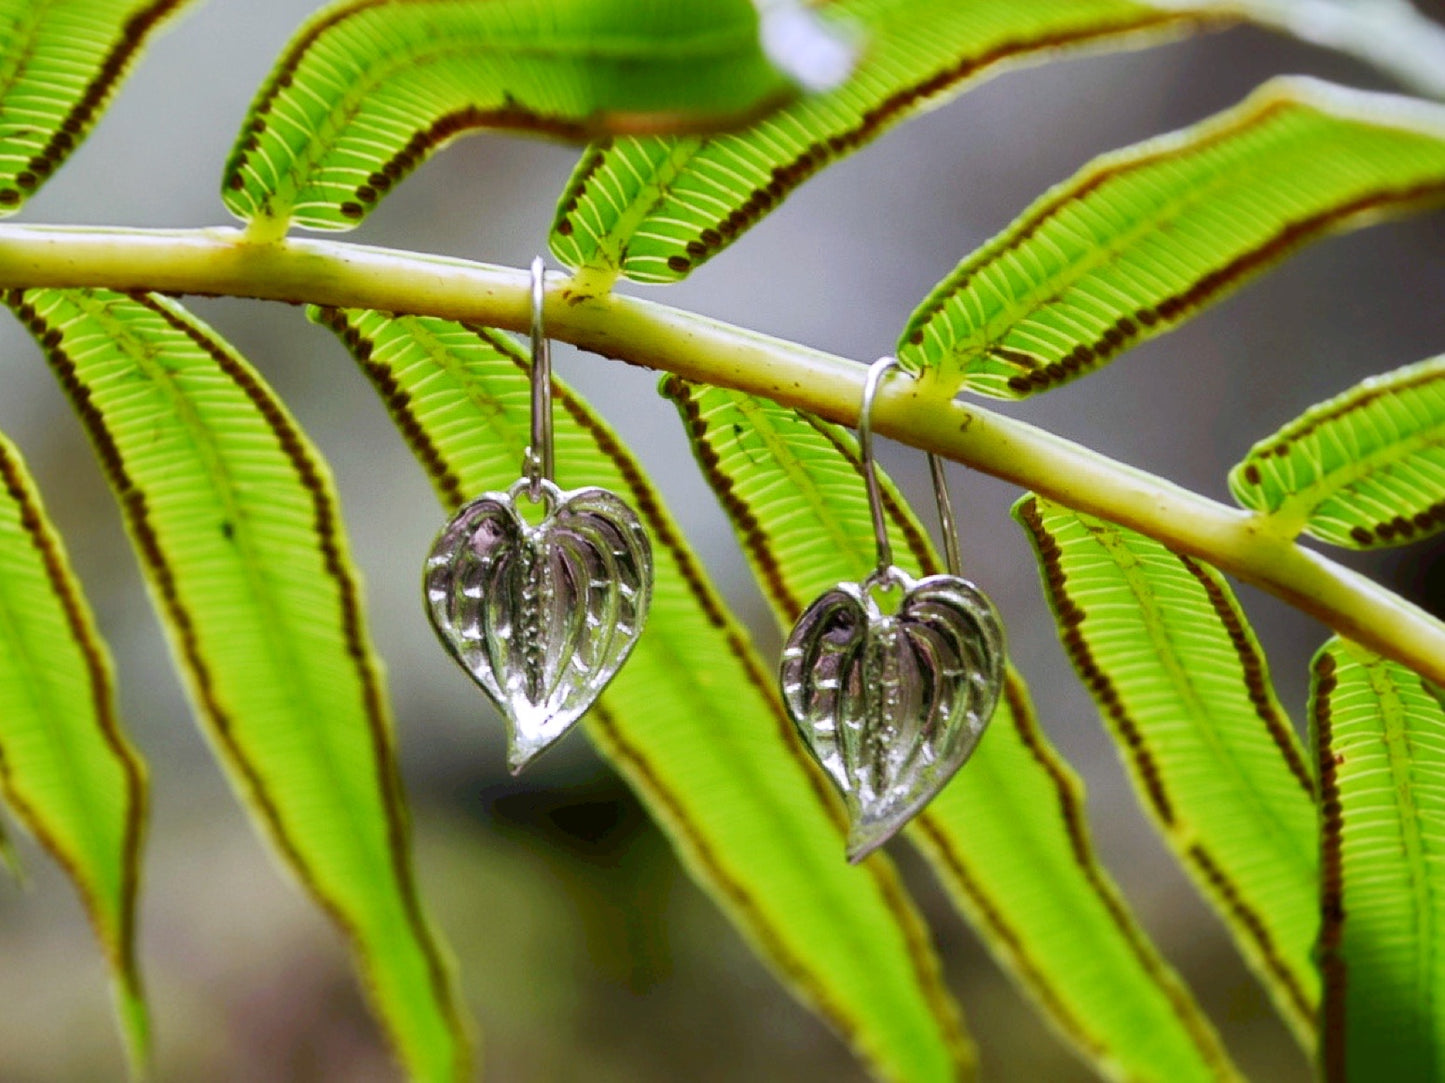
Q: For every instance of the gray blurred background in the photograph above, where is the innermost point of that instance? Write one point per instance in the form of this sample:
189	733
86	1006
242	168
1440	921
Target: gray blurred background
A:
585	953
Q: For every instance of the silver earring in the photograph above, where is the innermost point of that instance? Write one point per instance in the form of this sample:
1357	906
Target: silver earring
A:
892	680
541	616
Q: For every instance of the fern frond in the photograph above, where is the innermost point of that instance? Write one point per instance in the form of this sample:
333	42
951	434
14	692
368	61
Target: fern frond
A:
654	208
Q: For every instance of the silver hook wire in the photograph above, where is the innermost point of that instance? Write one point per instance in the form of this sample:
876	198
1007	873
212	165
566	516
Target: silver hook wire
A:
946	522
876	372
538	460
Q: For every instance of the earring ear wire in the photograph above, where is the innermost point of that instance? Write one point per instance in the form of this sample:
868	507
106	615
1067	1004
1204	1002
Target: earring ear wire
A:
876	372
947	525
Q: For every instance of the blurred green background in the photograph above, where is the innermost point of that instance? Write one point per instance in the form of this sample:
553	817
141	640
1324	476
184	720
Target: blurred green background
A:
586	954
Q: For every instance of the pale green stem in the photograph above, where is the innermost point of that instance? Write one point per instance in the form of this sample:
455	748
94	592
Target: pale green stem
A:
920	413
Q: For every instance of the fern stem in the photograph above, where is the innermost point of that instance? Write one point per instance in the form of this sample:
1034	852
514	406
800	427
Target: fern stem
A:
298	271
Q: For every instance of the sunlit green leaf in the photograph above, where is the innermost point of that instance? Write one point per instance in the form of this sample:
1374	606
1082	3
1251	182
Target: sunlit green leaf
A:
60	62
1163	647
1143	238
234	518
1380	736
66	769
693	720
1054	920
367	91
654	208
1365	469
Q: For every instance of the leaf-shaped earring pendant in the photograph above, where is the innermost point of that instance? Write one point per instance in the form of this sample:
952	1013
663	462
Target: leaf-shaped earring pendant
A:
891	680
542	615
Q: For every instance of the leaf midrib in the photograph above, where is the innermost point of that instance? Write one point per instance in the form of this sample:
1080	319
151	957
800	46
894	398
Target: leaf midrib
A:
652	193
1044	293
845	540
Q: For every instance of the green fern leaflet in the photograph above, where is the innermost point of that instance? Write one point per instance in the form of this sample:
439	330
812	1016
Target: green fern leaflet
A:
1365	469
60	63
1143	238
67	770
1164	649
1378	728
369	90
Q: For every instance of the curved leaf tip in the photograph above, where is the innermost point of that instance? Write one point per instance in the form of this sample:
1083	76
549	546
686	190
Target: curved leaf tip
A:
67	770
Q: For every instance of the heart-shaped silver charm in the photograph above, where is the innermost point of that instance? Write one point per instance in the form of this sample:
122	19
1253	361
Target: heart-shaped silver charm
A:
542	616
892	703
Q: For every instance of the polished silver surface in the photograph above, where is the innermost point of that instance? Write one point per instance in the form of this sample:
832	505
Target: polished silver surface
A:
892	698
542	616
538	465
